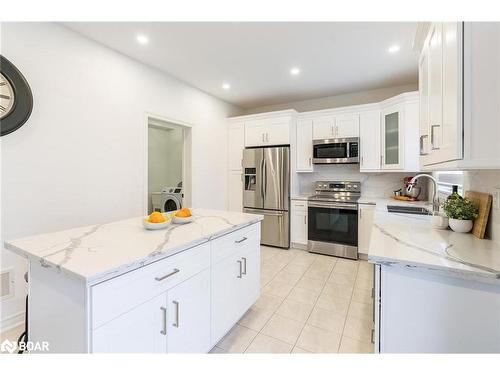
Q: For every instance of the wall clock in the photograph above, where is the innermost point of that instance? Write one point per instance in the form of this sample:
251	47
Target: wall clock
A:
16	99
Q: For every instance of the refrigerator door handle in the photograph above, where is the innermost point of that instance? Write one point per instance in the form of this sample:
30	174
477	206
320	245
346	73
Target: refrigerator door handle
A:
262	180
264	212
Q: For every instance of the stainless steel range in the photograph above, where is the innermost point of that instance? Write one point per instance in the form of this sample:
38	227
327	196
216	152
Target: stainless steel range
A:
333	218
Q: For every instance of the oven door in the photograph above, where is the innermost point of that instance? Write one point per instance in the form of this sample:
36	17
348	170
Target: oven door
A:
333	223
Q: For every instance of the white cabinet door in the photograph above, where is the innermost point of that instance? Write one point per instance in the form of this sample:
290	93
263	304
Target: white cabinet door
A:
235	191
435	85
365	223
188	315
277	131
226	299
423	77
304	146
255	133
324	127
140	330
369	141
450	147
250	289
236	144
392	138
347	126
298	224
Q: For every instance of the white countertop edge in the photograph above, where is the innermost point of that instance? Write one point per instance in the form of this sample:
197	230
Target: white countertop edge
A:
480	276
129	267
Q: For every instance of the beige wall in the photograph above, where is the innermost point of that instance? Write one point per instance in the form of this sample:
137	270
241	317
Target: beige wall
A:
362	97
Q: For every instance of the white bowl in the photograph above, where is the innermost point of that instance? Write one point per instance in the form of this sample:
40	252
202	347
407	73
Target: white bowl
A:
182	220
461	226
155	226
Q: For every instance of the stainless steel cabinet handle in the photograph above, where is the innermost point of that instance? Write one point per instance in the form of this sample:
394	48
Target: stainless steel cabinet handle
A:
362	160
373	293
167	275
373	336
241	271
176	303
310	161
240	241
244	266
381	160
164	312
422	153
360	214
432	137
305	219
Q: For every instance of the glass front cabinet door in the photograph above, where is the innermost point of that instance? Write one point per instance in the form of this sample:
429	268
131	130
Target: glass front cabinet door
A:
392	138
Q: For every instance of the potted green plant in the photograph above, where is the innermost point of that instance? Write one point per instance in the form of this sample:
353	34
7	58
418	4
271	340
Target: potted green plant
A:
461	213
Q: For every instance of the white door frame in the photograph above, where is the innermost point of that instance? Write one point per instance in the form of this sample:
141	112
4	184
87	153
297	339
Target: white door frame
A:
186	158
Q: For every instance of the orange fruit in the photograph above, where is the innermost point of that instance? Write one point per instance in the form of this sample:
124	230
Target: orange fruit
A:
183	212
156	217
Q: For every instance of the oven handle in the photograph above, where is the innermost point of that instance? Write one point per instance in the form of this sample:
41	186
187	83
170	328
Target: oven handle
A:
344	206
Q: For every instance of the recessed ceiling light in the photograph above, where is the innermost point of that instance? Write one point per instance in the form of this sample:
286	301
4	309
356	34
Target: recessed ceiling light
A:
393	49
142	39
226	86
294	71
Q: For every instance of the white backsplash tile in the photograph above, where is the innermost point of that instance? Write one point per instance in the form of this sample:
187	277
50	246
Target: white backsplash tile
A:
373	185
487	181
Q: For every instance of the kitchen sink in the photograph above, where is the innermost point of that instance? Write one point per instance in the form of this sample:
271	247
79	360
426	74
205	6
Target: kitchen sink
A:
409	210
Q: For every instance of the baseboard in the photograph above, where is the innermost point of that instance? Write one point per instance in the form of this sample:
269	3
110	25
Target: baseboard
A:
362	256
298	246
12	321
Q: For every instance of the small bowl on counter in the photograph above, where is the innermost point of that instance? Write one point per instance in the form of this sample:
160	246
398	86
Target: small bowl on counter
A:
155	226
182	220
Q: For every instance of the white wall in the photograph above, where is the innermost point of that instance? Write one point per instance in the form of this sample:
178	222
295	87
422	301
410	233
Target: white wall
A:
354	98
80	159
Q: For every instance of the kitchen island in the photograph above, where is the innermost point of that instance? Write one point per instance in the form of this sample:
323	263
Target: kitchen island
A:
118	287
436	291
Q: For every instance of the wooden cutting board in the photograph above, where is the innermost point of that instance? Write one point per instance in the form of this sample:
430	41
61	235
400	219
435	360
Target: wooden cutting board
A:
483	202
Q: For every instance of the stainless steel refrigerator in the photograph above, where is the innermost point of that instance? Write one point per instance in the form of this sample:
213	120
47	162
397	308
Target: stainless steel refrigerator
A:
266	191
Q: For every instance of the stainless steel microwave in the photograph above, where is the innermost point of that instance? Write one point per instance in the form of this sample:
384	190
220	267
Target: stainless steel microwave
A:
336	151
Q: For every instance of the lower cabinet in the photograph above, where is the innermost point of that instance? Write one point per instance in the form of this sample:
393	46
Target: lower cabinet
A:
298	222
136	331
235	287
183	304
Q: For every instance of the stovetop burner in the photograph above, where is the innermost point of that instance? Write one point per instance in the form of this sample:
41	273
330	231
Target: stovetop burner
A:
337	191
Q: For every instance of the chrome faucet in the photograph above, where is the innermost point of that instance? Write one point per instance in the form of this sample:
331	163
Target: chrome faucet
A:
435	198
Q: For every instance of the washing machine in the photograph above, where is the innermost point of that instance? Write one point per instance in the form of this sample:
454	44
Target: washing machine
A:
171	199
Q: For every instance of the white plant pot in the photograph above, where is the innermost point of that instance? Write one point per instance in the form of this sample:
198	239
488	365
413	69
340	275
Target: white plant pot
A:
461	226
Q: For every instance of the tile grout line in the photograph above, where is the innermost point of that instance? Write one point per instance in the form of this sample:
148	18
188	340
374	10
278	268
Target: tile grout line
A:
274	312
317	298
348	308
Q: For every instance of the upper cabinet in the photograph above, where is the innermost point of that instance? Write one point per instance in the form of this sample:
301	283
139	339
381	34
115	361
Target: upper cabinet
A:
347	126
369	145
342	126
392	138
269	130
304	152
459	80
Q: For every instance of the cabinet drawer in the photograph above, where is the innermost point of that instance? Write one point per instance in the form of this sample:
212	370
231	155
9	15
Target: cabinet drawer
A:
119	295
236	241
299	205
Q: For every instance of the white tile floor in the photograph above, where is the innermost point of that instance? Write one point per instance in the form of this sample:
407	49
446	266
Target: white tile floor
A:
309	304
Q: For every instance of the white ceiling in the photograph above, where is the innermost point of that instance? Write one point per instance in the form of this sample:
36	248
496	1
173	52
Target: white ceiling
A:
256	58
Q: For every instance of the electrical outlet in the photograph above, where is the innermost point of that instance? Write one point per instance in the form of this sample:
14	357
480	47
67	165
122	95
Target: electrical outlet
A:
496	199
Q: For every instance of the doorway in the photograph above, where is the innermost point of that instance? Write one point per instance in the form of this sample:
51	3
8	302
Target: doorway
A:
167	182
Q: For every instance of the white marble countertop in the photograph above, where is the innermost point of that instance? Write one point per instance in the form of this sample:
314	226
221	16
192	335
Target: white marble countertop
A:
97	253
407	240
